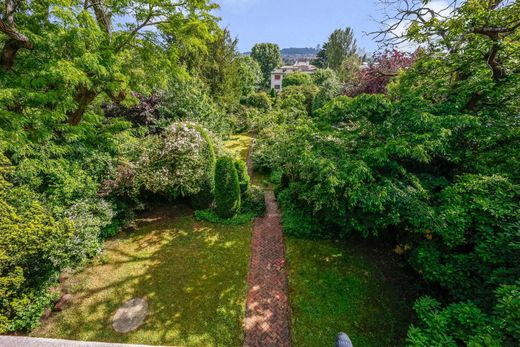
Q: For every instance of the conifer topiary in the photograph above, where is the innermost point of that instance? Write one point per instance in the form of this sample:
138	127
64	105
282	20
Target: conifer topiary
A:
204	198
243	177
227	188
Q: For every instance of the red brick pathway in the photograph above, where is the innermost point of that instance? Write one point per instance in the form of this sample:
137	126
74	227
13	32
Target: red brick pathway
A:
267	313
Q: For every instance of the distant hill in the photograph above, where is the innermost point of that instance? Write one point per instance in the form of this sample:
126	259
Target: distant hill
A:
294	54
299	51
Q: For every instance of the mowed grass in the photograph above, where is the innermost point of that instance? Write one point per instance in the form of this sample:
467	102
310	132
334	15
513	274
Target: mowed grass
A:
354	288
193	275
238	145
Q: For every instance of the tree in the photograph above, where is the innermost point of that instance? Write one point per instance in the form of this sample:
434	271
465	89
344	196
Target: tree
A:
268	57
296	79
100	59
341	44
221	68
374	78
249	75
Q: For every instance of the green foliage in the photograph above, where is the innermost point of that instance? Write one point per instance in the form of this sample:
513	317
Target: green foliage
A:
465	323
250	75
340	45
329	89
488	206
243	177
31	250
298	99
296	79
204	198
175	162
268	57
227	188
433	166
343	110
254	201
260	100
320	76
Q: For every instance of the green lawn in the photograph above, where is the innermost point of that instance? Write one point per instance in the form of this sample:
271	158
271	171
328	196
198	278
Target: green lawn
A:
238	145
337	286
192	273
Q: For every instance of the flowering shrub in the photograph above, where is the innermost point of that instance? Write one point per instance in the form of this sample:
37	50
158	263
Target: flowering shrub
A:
173	163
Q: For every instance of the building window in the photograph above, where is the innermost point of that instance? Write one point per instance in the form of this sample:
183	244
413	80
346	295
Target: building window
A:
276	86
277	77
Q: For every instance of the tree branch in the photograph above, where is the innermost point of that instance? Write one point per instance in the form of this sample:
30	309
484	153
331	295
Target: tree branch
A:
16	41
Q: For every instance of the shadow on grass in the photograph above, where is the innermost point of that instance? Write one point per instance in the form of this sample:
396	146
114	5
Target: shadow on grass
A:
192	273
354	286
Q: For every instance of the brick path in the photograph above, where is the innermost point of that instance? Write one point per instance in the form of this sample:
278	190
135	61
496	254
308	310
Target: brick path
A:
267	313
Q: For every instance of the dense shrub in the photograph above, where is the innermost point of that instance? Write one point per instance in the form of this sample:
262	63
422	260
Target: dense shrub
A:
204	198
344	110
31	251
321	76
296	79
243	177
254	201
259	100
474	246
329	89
298	98
227	188
174	163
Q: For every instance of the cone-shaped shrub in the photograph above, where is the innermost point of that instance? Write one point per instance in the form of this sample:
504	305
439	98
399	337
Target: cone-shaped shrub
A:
227	188
204	198
243	177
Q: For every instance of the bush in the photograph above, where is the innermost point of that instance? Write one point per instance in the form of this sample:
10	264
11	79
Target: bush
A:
31	252
296	79
204	198
375	108
298	98
254	201
89	218
243	177
174	163
227	188
259	100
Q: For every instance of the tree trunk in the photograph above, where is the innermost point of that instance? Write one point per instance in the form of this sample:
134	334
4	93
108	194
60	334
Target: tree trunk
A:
83	97
9	51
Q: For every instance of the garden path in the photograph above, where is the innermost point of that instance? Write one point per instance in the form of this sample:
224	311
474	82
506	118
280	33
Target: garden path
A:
267	320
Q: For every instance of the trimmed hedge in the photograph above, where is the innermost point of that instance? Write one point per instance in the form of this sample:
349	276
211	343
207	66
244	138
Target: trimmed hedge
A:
227	188
243	177
205	197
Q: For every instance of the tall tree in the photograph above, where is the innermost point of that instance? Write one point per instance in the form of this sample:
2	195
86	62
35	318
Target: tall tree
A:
250	75
269	57
220	70
76	53
340	45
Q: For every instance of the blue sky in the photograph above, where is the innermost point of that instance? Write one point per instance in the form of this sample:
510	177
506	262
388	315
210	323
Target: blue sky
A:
297	23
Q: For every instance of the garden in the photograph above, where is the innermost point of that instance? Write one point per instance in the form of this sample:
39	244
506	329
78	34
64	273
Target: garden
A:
127	149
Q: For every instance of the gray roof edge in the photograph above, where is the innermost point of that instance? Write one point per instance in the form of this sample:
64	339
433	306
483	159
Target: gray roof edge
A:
24	341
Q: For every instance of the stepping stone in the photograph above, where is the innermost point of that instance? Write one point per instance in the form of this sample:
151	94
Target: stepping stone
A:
130	315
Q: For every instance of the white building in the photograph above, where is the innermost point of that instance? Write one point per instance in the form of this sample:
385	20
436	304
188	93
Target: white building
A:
278	74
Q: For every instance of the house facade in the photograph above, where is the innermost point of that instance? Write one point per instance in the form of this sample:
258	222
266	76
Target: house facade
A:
278	74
